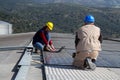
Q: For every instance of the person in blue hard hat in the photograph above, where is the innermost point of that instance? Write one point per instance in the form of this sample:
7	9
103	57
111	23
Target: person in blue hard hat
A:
88	44
42	39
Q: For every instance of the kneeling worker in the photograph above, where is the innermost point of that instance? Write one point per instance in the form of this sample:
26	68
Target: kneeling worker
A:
88	44
42	39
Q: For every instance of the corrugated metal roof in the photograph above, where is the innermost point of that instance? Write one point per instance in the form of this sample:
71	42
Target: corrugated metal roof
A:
58	65
70	73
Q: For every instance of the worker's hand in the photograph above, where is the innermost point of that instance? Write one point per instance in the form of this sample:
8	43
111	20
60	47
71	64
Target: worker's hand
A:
50	48
53	48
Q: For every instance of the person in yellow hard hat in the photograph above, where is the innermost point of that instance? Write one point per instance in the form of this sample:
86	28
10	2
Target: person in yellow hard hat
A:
42	39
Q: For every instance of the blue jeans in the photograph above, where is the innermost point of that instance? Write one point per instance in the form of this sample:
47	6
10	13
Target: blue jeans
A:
38	45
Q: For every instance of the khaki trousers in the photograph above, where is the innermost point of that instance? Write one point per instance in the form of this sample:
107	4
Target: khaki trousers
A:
81	56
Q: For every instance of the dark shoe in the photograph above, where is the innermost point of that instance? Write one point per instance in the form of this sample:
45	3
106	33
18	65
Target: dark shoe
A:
73	55
93	60
36	50
46	49
88	64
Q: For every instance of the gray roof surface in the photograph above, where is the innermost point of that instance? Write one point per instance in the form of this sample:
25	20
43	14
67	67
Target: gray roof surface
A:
58	64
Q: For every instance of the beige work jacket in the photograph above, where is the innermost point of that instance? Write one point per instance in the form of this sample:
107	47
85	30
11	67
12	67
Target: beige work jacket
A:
88	38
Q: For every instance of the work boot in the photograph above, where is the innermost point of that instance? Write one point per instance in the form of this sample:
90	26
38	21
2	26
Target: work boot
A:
93	60
73	55
36	50
88	64
46	49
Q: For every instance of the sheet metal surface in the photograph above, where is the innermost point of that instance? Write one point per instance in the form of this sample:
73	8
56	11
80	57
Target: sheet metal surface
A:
69	73
58	66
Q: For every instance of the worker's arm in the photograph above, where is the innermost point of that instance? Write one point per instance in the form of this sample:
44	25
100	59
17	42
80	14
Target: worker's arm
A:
51	44
76	40
100	38
44	38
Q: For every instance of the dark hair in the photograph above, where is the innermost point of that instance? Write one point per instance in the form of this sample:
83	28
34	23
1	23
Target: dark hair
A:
44	27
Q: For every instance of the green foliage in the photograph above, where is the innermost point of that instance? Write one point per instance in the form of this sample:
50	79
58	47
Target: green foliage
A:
66	17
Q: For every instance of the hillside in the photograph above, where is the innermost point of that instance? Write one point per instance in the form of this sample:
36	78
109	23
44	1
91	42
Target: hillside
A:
66	17
95	3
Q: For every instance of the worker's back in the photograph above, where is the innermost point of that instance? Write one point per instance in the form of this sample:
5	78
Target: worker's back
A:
88	36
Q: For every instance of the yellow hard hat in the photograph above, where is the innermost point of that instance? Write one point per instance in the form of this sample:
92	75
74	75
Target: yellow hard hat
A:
50	25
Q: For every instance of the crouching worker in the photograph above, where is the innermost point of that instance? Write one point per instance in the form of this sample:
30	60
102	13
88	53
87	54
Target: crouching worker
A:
42	40
88	44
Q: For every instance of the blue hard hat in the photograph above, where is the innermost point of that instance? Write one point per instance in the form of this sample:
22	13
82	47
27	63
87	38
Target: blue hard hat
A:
89	19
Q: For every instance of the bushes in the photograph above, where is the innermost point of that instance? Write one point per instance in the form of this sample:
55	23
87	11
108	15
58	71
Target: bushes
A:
66	18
